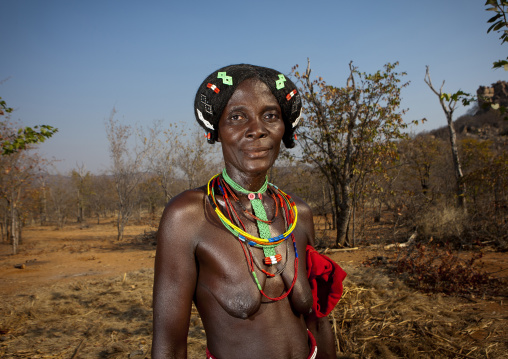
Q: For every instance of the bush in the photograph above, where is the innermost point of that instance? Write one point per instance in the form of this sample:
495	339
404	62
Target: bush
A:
443	223
439	269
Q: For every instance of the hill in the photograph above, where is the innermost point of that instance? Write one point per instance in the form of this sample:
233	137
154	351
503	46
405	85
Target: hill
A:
483	124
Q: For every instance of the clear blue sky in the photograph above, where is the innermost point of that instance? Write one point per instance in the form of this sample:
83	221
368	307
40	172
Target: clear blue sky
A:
68	63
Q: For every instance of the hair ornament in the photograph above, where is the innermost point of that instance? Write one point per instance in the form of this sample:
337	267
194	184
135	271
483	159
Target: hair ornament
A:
290	95
296	103
208	107
202	119
280	82
227	80
294	124
213	88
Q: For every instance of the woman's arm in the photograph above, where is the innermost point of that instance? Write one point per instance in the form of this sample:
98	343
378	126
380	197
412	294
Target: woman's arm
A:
174	279
319	327
322	331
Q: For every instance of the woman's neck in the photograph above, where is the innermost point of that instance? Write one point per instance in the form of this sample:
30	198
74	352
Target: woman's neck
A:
249	181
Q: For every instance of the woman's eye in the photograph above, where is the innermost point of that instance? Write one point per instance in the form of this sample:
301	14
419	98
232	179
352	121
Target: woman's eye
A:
272	116
236	117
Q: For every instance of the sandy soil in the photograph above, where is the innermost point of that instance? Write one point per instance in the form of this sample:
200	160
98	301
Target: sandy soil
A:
54	256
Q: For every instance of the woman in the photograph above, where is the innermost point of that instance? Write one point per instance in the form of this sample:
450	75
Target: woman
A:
232	246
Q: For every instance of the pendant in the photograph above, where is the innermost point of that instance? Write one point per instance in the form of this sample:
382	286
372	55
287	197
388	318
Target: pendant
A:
273	259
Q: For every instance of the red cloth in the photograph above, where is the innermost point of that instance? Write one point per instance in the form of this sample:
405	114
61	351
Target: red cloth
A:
325	278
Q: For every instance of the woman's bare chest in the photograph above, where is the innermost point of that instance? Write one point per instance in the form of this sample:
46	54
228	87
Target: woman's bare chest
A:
237	277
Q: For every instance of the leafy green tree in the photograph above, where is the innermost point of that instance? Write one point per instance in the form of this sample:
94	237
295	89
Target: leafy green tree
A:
350	130
3	107
26	136
17	173
15	141
18	167
499	25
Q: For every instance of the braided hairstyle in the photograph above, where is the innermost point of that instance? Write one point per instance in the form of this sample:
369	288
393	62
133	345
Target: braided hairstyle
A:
216	90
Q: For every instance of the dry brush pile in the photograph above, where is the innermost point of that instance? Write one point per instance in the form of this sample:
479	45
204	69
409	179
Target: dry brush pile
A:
380	317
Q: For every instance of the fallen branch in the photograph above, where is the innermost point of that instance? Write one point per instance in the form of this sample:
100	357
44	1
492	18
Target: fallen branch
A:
410	241
333	250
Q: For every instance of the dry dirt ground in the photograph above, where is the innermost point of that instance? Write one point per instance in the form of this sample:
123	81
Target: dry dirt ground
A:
81	294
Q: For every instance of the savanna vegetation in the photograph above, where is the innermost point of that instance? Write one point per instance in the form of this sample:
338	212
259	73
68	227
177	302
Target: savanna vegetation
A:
429	204
371	184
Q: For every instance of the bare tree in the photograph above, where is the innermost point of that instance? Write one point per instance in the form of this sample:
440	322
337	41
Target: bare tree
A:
448	104
163	156
198	160
81	179
62	202
127	168
101	196
17	170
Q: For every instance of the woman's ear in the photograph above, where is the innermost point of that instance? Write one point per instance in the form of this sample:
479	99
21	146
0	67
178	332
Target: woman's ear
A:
218	136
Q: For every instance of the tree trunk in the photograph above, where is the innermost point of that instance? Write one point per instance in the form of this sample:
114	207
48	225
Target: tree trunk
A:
122	220
334	209
20	225
121	228
14	229
448	110
44	207
460	186
342	206
342	225
353	239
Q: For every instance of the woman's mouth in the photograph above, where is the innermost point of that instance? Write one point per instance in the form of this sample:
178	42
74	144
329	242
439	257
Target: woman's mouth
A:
257	152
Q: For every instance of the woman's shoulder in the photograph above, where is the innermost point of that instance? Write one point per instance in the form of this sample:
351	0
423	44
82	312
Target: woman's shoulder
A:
304	210
183	219
185	206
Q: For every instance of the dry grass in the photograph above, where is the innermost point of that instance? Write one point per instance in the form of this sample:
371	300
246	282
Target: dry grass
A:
84	319
378	317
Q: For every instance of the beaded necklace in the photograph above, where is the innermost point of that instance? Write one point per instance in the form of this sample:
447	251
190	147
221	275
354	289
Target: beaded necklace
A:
289	211
244	236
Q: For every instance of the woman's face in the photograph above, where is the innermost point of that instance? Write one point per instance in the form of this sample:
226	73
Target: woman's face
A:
251	129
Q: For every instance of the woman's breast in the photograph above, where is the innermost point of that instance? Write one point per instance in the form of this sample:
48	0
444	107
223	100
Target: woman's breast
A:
231	285
224	276
239	300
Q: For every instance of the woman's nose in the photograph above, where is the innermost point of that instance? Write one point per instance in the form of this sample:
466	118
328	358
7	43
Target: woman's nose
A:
257	128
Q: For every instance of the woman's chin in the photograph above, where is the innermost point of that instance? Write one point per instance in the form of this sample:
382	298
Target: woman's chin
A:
257	165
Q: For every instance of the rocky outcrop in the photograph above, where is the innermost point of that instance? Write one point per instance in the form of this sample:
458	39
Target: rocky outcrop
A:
496	93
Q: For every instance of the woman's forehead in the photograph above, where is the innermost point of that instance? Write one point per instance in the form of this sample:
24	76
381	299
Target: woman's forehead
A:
251	89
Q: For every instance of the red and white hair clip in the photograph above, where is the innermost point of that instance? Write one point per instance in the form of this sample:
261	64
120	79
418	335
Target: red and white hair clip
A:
213	87
290	95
